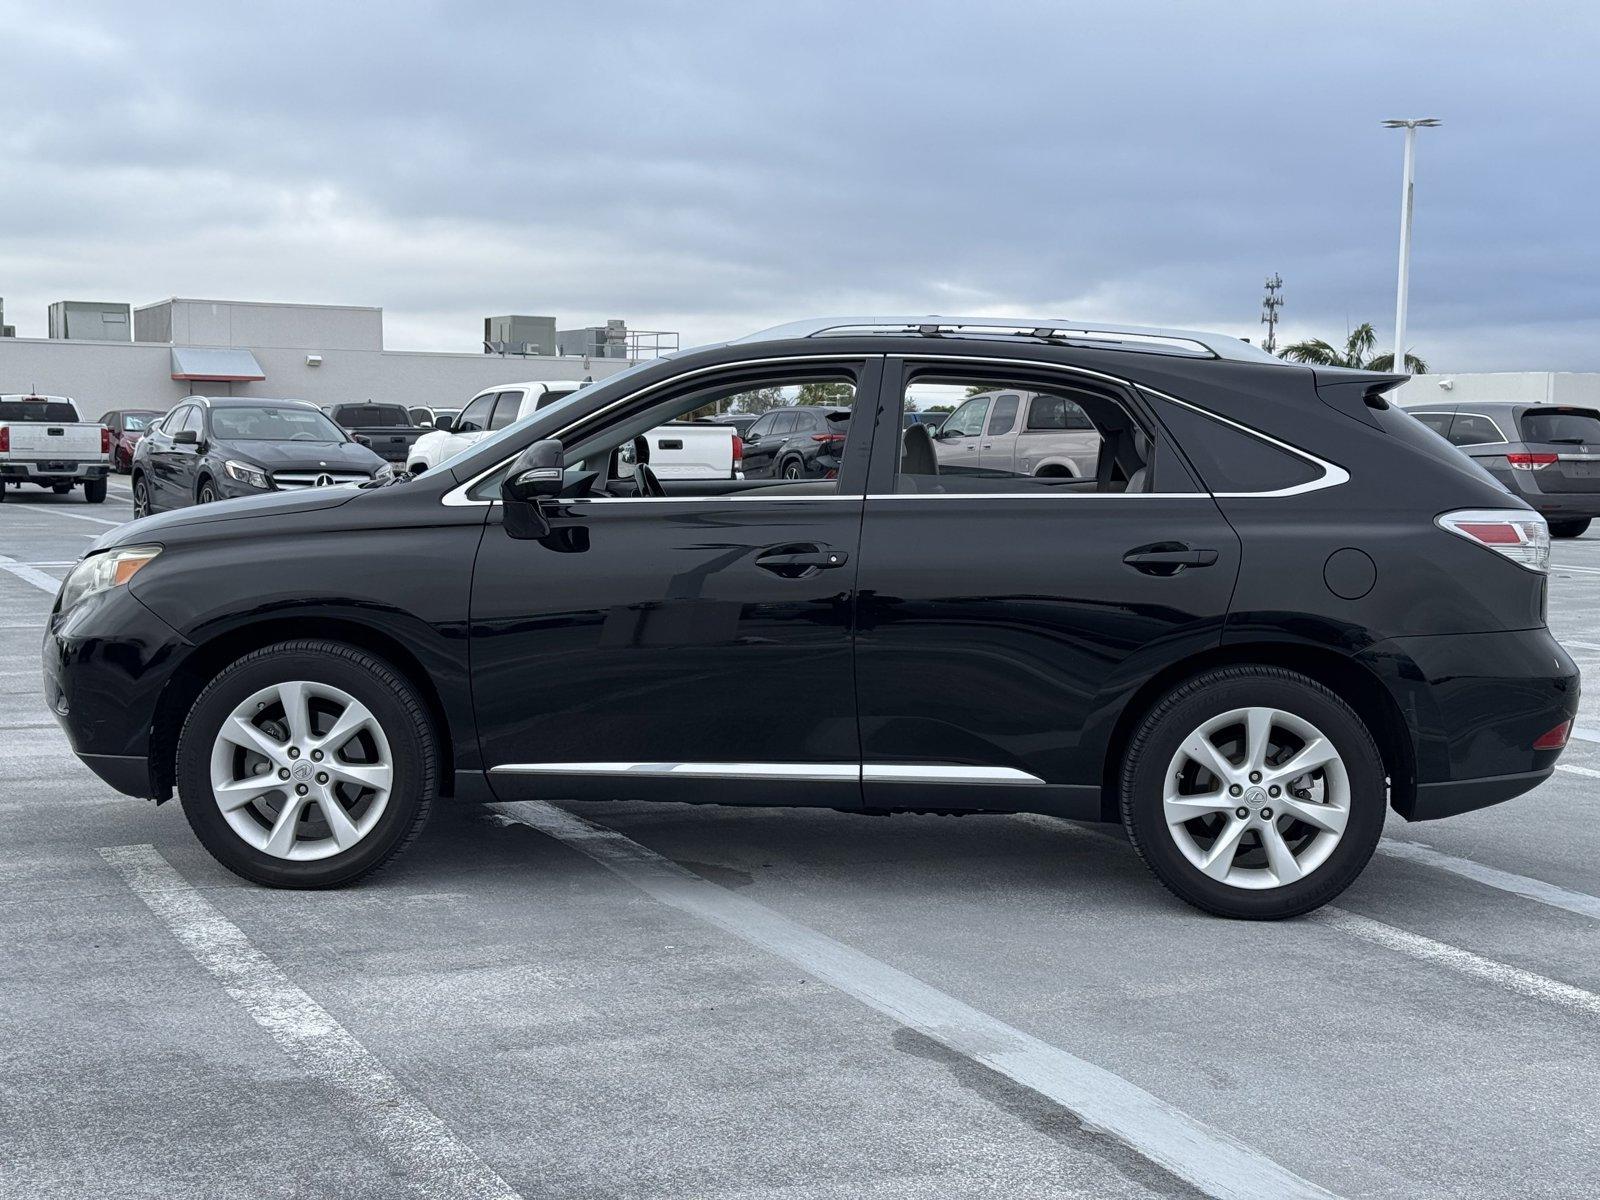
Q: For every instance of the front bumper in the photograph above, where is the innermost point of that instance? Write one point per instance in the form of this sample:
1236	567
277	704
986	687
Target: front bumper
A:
105	665
1474	704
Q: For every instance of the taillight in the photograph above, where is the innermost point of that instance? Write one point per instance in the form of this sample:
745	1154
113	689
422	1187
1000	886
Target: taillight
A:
1523	537
738	455
5	438
830	439
105	440
1556	739
1531	462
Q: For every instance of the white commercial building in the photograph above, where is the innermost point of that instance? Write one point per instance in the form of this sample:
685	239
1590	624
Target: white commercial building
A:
323	353
1539	387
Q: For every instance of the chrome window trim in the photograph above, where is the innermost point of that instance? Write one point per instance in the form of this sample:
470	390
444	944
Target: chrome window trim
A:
1502	440
457	496
1333	475
792	772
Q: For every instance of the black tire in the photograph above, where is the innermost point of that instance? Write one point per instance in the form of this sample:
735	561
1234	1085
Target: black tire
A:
207	492
94	491
793	469
141	497
1569	529
1162	731
375	683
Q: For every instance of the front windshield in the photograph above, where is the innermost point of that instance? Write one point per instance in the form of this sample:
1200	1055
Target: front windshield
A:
273	424
138	422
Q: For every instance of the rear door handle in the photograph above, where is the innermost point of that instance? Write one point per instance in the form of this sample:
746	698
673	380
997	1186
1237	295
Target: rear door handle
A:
800	562
1167	558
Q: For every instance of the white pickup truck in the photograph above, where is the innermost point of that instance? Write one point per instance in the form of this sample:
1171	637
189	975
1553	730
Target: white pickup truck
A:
679	450
43	442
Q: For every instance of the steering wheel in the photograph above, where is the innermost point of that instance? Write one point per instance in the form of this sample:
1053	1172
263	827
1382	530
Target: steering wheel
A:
645	479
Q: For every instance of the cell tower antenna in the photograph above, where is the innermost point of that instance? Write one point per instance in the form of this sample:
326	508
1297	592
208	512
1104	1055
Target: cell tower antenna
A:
1270	304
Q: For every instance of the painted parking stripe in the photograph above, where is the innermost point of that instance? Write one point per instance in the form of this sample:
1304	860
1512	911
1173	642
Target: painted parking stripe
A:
30	574
1521	885
1584	733
1464	962
61	512
1586	772
1205	1157
433	1160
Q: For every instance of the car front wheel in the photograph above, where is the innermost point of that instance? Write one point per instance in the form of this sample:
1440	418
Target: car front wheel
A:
1254	792
307	764
141	497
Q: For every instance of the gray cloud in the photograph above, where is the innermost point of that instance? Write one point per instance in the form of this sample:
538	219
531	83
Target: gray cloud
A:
713	167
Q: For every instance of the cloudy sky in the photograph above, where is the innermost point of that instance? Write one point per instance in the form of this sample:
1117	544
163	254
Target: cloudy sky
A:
713	167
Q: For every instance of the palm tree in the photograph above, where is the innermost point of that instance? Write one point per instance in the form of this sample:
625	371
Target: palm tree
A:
1357	353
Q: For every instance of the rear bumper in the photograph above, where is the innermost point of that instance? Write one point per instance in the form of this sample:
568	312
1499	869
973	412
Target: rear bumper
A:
1474	705
51	470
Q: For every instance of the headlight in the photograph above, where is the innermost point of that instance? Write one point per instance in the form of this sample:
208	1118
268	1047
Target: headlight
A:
385	472
245	473
103	571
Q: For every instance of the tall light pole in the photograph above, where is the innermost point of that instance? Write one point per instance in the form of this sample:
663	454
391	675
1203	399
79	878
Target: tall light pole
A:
1404	287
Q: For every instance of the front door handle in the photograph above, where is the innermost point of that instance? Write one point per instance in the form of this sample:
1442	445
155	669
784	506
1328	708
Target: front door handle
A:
800	561
1167	558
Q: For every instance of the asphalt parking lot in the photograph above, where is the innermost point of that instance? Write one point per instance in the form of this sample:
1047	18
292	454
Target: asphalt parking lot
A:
606	1000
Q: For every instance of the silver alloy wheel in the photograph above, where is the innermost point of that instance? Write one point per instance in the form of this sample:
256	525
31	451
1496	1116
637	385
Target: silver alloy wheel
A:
301	770
1256	798
141	499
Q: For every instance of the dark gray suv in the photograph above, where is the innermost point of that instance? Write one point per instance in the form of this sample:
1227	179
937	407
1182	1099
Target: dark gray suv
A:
1549	455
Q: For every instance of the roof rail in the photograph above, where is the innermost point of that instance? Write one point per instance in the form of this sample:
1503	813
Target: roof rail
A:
1187	343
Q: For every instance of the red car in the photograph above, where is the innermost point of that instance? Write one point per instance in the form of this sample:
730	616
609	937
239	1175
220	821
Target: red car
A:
127	426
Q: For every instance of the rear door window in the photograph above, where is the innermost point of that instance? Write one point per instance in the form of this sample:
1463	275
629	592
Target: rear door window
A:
1562	426
1474	429
506	407
1004	417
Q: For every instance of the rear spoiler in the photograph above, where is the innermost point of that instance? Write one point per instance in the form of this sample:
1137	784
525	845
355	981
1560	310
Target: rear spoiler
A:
1356	393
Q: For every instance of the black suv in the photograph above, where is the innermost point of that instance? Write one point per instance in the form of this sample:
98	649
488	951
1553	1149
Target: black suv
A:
215	448
1277	608
804	442
1548	454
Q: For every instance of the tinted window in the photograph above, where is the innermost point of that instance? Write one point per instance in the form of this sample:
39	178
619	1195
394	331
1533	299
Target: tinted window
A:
1436	421
506	406
784	423
194	420
476	417
1056	412
1231	460
270	424
762	427
53	411
550	397
1572	425
1470	429
371	414
1004	415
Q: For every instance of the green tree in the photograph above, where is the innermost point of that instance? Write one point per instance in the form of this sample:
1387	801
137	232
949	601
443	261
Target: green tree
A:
833	395
1357	353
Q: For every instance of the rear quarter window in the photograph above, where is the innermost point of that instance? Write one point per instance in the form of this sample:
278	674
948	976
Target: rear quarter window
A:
1230	459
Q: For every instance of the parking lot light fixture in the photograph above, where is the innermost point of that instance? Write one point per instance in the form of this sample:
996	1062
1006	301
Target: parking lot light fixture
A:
1410	126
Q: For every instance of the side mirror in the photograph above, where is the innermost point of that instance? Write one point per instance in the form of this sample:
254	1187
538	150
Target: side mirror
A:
448	424
536	475
363	439
186	437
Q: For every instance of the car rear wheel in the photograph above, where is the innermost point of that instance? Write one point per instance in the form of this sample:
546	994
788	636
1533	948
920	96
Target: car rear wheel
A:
1568	529
1253	792
307	764
793	470
94	491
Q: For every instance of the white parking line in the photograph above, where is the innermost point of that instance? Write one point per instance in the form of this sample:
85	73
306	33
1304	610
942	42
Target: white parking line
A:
1520	885
433	1160
1464	962
30	574
61	512
1586	772
1207	1158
